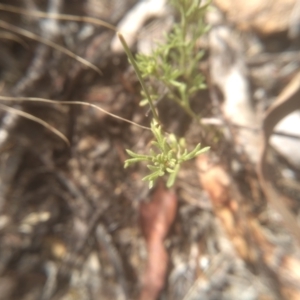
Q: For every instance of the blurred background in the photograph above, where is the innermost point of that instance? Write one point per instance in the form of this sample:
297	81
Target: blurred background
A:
74	224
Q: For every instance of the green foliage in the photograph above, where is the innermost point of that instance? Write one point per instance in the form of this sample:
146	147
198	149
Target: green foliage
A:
170	154
174	64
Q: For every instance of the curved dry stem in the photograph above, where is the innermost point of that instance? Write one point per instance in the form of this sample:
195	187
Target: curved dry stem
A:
10	36
35	119
35	37
33	99
39	14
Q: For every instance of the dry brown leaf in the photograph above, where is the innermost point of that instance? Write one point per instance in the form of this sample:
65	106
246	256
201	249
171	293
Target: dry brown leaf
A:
156	218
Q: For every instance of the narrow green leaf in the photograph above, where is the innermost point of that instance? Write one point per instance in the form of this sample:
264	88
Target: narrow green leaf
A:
151	183
170	170
202	151
191	154
153	168
144	102
132	160
136	155
157	145
154	175
173	176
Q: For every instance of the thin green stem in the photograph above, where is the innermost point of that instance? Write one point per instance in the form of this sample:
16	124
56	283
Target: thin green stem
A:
139	75
185	105
183	41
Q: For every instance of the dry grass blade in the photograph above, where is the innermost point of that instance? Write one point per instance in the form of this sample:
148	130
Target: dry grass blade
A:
32	99
39	14
35	37
10	36
35	119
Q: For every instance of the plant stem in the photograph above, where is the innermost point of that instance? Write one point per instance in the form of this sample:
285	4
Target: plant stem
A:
139	75
183	104
183	46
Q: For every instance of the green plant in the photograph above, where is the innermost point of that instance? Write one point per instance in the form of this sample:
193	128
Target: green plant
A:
174	66
171	154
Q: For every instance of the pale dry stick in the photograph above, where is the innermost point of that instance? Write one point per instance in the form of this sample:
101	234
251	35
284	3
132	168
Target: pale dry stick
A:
33	99
35	119
135	18
57	47
64	17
